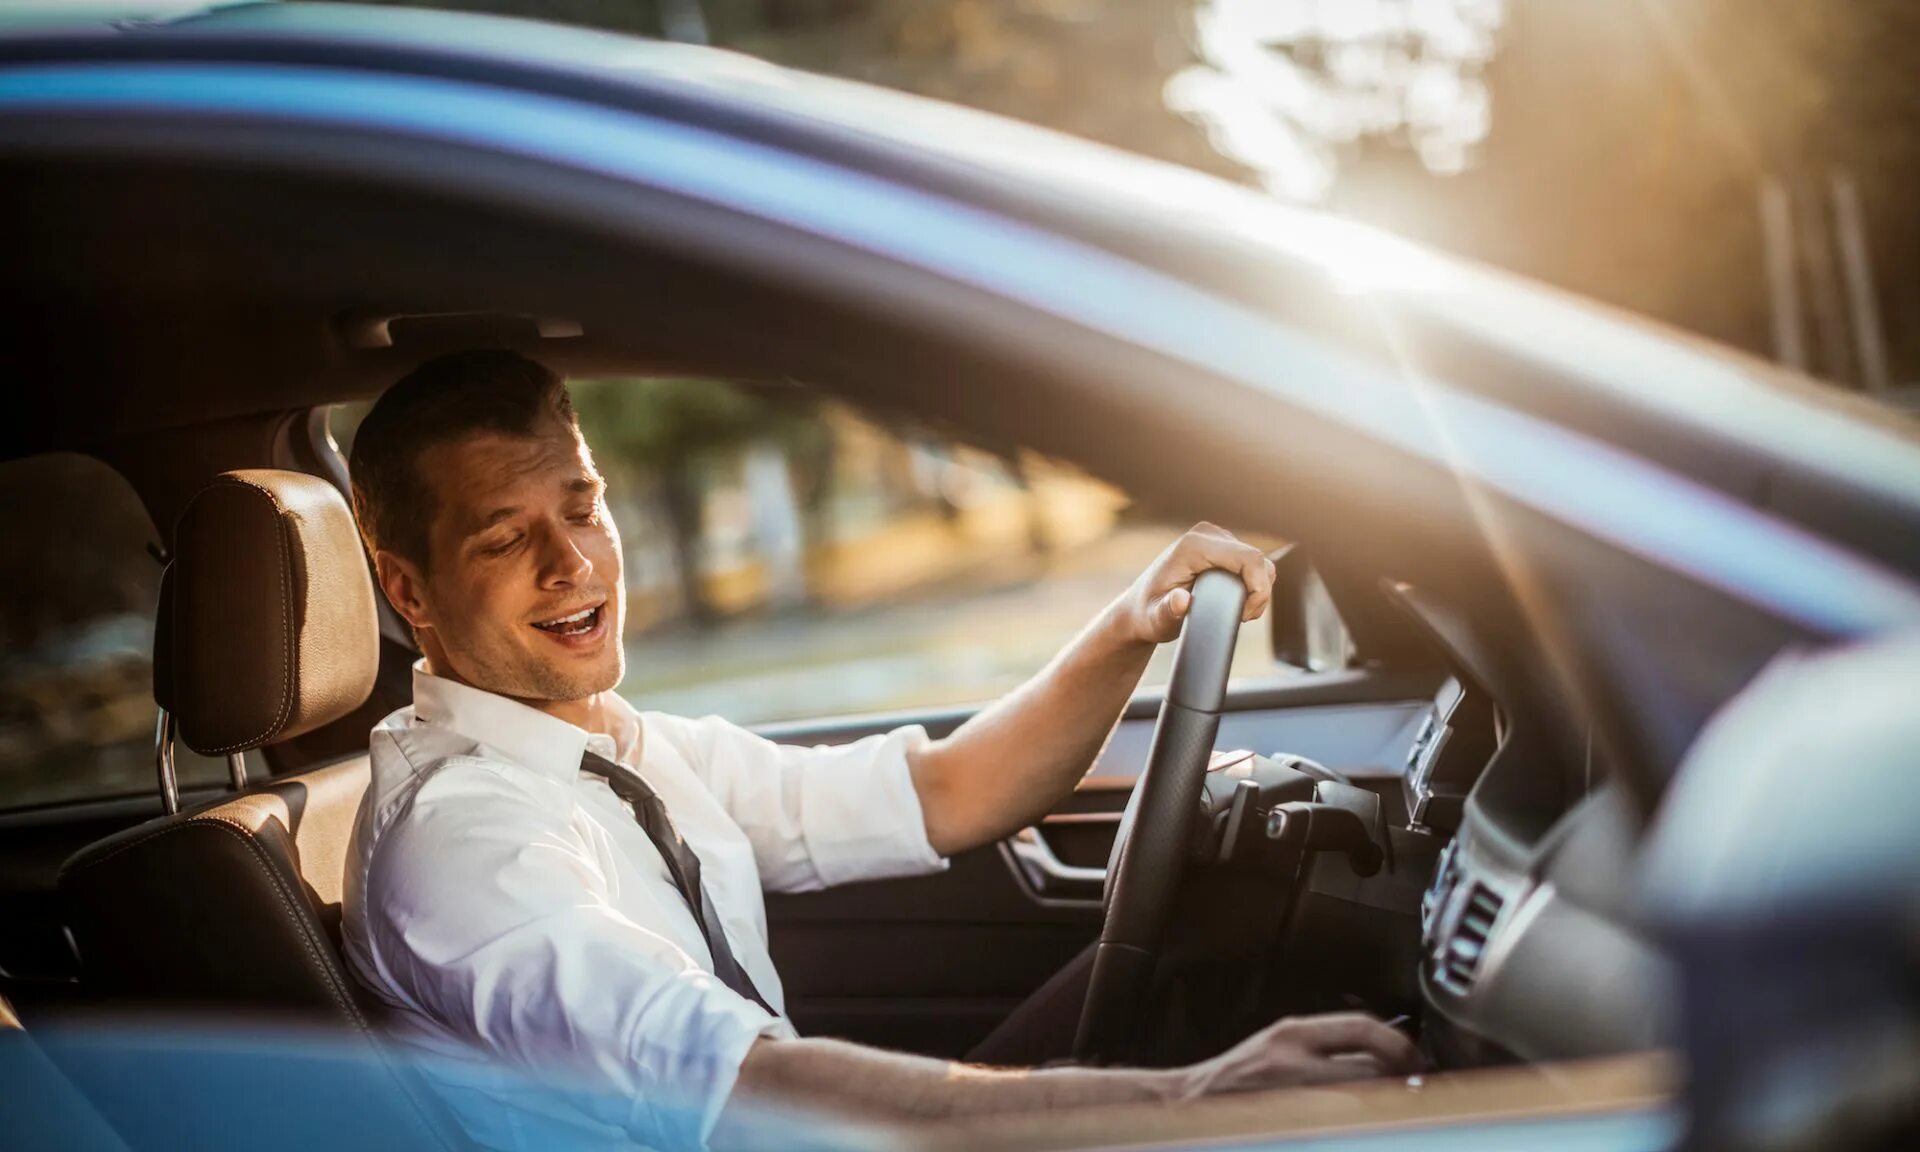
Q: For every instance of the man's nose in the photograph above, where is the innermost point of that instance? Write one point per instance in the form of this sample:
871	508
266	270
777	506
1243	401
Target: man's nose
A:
562	563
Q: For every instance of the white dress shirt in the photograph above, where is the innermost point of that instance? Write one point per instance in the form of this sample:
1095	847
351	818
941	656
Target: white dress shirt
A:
514	915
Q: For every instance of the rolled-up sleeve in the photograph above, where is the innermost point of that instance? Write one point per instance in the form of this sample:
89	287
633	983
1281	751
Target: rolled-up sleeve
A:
816	816
489	911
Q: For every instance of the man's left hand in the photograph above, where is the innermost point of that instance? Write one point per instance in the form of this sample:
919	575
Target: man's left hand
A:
1153	608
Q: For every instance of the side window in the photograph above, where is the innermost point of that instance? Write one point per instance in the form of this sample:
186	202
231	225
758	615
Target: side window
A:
76	637
788	558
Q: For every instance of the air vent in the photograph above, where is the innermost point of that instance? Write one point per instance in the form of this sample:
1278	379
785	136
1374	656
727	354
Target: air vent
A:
1444	876
1457	959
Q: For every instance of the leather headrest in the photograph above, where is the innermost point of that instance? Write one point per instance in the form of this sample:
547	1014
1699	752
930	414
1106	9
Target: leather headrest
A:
267	624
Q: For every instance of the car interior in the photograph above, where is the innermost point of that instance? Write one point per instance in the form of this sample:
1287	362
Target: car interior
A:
1435	836
229	907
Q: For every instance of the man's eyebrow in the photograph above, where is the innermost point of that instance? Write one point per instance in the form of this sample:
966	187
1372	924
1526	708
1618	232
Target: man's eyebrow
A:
592	484
490	519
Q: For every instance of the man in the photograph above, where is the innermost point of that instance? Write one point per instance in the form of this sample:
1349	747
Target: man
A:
546	876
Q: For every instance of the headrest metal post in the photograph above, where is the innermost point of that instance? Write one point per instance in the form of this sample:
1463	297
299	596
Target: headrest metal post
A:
237	769
163	763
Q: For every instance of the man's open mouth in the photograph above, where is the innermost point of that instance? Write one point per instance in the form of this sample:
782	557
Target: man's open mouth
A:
576	624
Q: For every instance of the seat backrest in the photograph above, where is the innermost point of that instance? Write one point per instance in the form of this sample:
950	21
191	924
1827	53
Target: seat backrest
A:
267	631
235	905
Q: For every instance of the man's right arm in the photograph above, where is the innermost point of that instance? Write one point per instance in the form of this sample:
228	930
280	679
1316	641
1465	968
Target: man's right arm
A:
872	1084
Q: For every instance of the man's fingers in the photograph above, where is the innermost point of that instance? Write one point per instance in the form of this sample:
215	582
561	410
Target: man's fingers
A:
1339	1069
1169	610
1206	546
1223	759
1260	588
1354	1032
1243	560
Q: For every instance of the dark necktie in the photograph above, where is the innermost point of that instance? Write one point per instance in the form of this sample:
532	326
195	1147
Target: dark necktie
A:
650	812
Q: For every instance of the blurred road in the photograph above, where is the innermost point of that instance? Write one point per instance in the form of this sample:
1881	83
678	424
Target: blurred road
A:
968	640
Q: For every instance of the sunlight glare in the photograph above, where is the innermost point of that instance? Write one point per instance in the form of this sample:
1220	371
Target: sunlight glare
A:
1286	86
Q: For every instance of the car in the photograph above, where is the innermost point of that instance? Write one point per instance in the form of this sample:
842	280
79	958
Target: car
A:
1558	540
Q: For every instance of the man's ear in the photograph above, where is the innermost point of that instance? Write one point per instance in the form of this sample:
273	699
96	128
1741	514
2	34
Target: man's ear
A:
405	586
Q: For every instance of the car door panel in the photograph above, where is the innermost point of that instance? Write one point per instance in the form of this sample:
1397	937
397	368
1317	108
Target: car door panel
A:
927	964
931	963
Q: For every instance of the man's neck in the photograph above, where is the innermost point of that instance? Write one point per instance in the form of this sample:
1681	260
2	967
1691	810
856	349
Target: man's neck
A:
579	713
585	713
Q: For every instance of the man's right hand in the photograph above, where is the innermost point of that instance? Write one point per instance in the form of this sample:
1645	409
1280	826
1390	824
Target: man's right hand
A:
891	1086
1305	1050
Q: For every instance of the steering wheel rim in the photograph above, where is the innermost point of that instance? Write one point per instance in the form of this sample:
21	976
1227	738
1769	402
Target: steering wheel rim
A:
1150	848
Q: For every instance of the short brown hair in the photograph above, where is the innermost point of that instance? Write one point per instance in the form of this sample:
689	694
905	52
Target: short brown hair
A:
443	399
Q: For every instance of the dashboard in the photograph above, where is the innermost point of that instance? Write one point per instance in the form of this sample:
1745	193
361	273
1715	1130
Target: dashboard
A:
1529	948
1504	916
1528	943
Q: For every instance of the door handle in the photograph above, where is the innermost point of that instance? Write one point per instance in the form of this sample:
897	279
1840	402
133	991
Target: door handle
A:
1049	877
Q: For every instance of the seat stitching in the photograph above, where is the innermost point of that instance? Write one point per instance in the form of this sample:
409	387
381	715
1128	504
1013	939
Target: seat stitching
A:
341	996
75	867
226	824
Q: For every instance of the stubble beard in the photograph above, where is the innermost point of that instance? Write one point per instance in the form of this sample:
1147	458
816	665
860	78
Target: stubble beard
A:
520	675
549	683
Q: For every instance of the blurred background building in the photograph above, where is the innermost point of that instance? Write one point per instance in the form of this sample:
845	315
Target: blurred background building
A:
1737	168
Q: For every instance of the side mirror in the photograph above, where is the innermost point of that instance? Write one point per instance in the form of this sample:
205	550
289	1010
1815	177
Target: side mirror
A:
1302	621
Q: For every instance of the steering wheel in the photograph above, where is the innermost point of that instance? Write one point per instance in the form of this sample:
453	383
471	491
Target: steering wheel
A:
1150	849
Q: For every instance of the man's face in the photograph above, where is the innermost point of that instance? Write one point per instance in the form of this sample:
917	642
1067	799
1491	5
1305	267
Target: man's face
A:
523	593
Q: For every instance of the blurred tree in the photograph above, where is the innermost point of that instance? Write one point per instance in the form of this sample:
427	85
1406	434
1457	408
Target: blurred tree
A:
658	433
1094	68
1629	143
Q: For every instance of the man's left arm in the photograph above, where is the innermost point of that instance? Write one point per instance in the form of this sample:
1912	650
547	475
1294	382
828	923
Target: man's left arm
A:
1014	761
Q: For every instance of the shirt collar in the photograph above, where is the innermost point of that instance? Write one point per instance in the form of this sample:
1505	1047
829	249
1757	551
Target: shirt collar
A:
519	733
